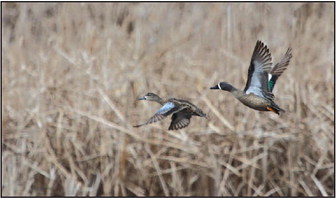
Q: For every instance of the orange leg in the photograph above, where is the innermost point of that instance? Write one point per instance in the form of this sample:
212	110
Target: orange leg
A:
271	109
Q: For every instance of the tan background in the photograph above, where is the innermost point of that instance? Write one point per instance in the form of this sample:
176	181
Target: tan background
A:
72	73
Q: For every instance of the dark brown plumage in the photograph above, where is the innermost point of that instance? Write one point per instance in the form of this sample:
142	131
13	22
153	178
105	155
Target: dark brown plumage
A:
181	111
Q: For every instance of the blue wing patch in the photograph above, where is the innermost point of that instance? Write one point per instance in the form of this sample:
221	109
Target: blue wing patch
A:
166	108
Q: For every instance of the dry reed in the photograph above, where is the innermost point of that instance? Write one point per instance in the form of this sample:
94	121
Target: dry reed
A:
72	73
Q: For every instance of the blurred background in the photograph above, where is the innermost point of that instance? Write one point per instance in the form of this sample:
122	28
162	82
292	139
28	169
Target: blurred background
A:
71	73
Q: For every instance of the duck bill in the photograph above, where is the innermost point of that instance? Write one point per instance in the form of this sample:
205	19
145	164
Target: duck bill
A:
214	87
142	98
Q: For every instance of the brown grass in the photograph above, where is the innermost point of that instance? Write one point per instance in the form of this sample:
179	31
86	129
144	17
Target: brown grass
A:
72	73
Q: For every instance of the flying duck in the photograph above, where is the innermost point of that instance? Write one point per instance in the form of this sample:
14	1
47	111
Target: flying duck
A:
261	80
181	111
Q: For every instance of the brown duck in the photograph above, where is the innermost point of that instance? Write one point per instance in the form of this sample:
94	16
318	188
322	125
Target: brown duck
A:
181	111
261	79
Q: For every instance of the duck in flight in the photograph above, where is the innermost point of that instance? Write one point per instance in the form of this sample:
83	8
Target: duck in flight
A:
261	80
181	111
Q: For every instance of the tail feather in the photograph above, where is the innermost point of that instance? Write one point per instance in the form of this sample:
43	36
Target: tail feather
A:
275	108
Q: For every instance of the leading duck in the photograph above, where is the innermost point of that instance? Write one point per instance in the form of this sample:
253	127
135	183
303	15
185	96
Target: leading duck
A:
261	79
182	111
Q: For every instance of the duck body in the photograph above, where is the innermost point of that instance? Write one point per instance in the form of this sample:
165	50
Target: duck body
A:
251	100
181	111
257	102
191	108
257	93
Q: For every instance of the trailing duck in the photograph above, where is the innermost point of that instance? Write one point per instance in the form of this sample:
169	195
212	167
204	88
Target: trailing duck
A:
181	111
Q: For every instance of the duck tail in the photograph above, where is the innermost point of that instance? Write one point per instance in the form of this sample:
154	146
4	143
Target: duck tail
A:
275	108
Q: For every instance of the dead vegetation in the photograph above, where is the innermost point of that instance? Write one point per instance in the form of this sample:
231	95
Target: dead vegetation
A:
71	74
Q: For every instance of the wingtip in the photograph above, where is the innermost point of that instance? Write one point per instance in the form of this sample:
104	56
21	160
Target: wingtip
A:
289	52
172	128
260	43
262	55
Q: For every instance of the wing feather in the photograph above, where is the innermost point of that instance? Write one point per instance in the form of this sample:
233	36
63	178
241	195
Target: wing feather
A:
167	109
260	66
180	119
281	66
278	69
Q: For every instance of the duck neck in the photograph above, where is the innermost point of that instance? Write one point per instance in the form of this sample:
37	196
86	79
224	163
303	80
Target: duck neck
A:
160	101
237	93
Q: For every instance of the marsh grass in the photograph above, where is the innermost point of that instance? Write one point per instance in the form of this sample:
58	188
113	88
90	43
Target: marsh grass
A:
71	74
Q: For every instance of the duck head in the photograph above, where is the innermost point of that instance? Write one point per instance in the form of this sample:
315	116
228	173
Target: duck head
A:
223	86
150	96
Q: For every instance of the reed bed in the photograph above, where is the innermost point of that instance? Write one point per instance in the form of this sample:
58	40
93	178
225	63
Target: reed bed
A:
71	73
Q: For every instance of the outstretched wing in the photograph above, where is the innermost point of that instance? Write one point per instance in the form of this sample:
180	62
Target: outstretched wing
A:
167	109
260	66
278	69
180	119
281	66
